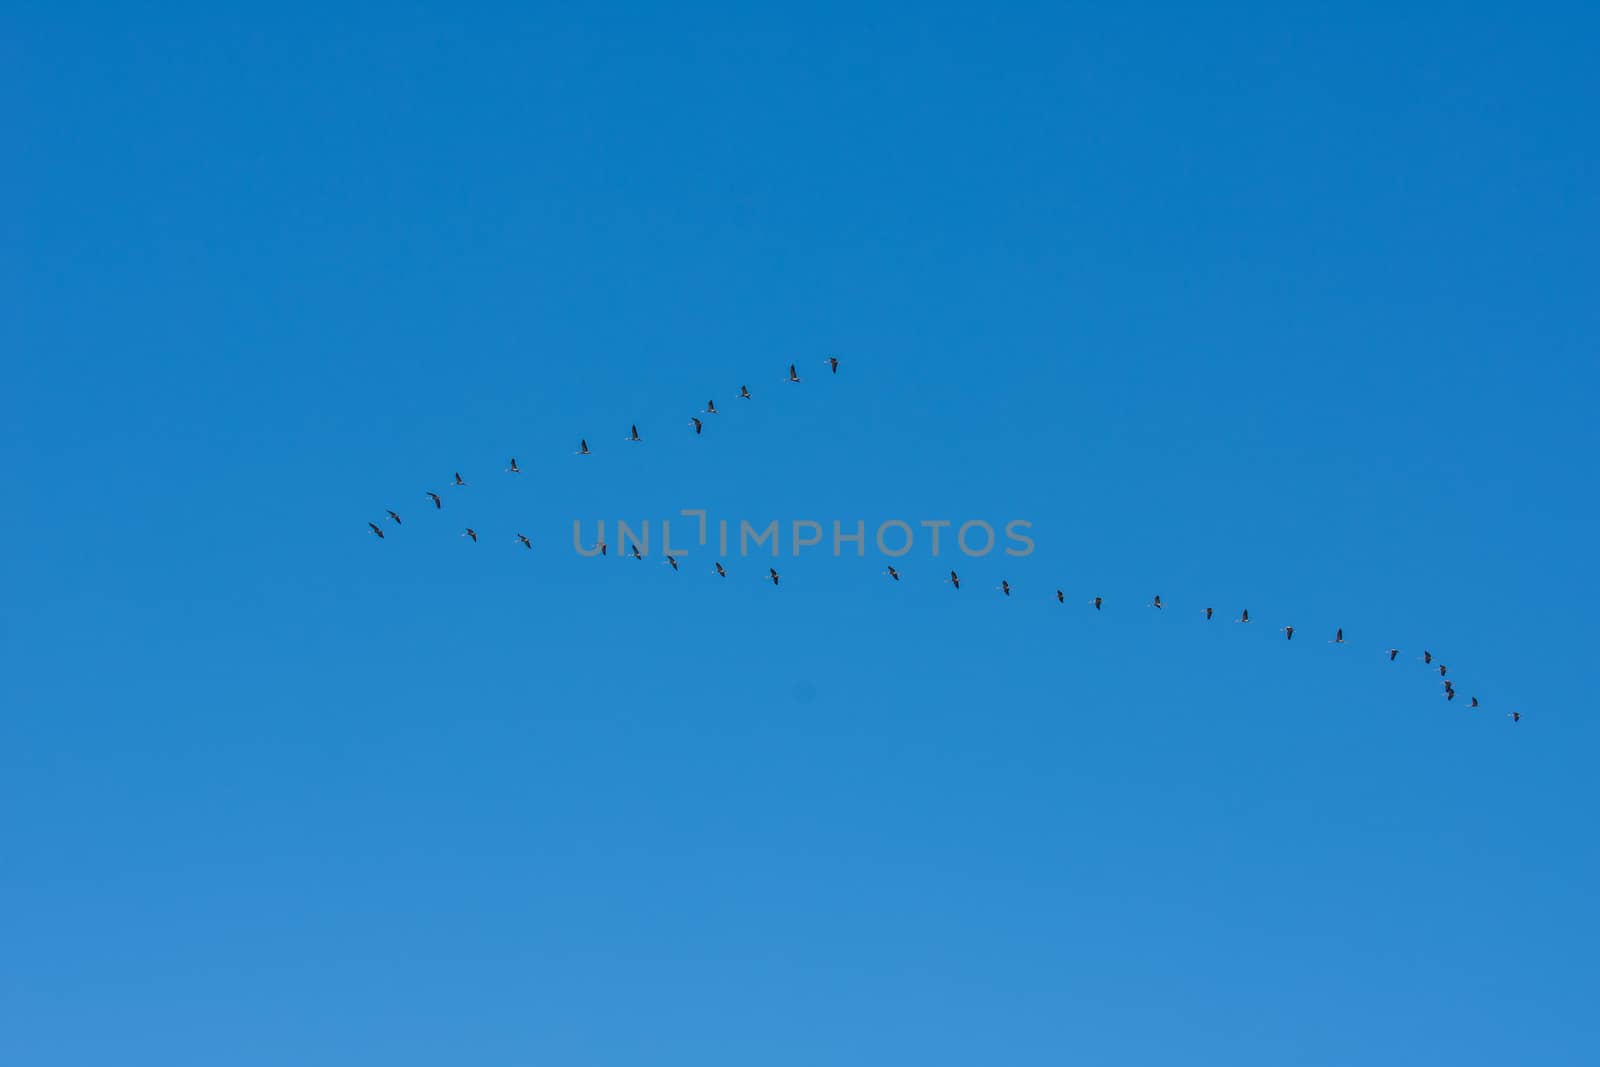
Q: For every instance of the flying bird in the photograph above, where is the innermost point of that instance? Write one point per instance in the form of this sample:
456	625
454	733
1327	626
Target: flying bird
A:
1443	670
1005	587
1097	601
696	423
1338	637
376	529
633	433
744	392
1515	716
833	364
1061	598
1427	657
1208	614
773	574
459	480
470	532
395	517
514	469
1288	633
525	542
955	580
673	561
601	546
720	572
793	375
635	553
1393	652
891	572
583	447
711	408
1474	703
437	503
1244	616
1156	603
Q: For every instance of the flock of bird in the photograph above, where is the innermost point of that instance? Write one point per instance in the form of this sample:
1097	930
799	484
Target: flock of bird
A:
1098	602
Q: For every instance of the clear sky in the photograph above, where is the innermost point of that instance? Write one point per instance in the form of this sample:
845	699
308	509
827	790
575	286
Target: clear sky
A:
1244	306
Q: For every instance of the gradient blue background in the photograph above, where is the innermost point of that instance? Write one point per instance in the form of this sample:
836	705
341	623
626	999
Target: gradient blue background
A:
1292	311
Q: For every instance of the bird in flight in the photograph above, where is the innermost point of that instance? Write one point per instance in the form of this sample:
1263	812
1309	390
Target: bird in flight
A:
720	572
395	517
696	423
601	545
955	580
1156	603
744	392
376	529
1338	637
711	408
1061	598
1443	670
773	574
1005	587
514	469
673	561
635	553
437	503
891	572
459	480
525	542
1393	652
793	374
1427	657
583	447
633	433
1474	703
1208	614
1244	616
1097	601
1288	633
833	364
1515	716
470	532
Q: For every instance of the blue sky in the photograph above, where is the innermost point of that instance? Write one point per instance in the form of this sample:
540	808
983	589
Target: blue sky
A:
1248	307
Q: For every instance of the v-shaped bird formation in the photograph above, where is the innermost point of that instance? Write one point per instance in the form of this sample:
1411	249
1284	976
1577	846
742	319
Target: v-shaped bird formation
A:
1005	588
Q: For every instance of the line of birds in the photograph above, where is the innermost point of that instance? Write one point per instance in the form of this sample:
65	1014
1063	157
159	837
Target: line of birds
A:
954	580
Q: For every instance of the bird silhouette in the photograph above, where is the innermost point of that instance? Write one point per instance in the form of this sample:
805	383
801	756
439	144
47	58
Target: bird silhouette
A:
672	561
395	517
1515	716
583	447
720	572
459	480
696	423
955	580
1288	633
1061	598
744	392
470	532
524	541
1208	614
1097	601
773	574
633	433
1474	703
514	469
1338	637
376	529
1005	587
635	553
891	572
1156	603
833	364
437	503
1393	652
1244	616
793	376
711	408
